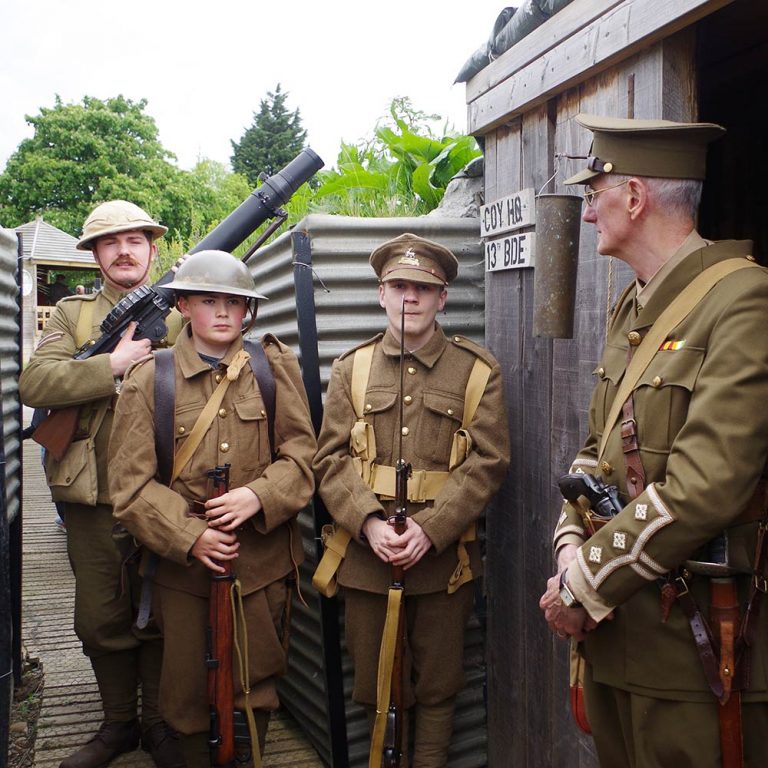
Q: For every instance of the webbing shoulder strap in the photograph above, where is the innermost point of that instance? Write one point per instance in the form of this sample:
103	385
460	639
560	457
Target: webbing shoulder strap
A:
478	378
265	378
669	319
361	370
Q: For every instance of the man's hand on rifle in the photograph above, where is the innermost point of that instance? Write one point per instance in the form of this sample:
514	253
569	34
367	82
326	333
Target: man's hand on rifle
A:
128	351
213	545
230	510
405	550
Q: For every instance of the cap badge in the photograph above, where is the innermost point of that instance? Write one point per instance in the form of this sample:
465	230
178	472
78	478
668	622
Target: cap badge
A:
409	258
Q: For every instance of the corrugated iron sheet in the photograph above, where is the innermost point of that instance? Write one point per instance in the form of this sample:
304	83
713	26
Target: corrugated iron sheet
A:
9	366
322	301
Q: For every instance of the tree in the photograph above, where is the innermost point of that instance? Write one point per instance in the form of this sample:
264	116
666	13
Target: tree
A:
274	139
83	154
80	155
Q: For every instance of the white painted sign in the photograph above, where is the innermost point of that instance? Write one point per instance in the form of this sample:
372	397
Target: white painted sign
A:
511	252
508	213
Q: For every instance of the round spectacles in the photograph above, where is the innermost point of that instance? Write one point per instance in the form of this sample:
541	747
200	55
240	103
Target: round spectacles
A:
590	194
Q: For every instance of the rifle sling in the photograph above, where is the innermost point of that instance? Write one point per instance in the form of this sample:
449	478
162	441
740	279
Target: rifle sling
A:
384	677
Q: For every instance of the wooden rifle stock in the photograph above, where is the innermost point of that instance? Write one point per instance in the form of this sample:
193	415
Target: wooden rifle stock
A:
221	695
57	430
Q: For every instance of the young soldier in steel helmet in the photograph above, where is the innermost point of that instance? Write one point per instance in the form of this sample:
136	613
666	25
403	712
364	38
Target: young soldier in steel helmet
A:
253	526
438	556
664	596
122	238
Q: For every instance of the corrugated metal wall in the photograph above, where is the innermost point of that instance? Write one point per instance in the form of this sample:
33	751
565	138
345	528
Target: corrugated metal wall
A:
9	365
322	301
10	482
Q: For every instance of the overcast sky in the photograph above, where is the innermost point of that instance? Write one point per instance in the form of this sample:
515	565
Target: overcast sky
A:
204	66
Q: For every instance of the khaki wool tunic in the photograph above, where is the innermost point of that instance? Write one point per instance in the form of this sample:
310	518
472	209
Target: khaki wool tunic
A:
52	379
701	409
157	516
434	388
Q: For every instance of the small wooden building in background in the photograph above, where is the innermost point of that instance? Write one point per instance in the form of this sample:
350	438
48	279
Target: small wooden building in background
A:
675	59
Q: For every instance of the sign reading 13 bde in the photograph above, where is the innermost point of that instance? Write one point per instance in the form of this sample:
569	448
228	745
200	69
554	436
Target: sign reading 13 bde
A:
508	215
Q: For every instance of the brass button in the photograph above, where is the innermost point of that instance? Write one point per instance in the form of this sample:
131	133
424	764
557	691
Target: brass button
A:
751	258
407	399
411	370
457	339
222	412
633	337
405	430
607	167
657	380
450	411
182	430
601	372
368	406
606	467
68	479
263	413
217	377
224	447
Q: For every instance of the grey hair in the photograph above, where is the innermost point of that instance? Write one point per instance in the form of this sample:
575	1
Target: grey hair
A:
680	196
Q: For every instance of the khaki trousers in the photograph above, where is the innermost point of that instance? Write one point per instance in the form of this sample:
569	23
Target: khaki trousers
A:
633	731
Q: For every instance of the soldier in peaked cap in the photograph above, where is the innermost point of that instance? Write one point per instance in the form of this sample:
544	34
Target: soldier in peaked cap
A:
664	597
122	238
459	455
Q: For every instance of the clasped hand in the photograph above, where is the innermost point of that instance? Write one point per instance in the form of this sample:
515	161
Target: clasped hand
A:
404	549
225	514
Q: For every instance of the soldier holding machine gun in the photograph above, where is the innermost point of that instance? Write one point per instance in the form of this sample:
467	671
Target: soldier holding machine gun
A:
454	435
121	236
663	582
219	404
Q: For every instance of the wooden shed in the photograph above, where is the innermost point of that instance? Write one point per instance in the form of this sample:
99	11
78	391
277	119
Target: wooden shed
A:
679	60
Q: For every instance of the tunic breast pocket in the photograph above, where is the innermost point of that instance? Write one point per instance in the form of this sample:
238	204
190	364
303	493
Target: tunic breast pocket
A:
185	419
250	434
608	374
663	395
439	419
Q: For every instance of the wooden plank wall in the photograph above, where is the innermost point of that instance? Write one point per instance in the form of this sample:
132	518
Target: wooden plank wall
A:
547	387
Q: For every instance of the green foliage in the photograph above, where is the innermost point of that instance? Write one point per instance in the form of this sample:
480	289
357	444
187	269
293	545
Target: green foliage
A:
403	171
84	154
274	139
80	155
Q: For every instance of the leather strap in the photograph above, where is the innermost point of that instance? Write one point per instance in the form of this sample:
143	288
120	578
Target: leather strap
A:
262	372
669	319
630	445
335	542
165	409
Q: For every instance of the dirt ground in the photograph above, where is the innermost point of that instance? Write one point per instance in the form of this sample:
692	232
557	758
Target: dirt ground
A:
27	699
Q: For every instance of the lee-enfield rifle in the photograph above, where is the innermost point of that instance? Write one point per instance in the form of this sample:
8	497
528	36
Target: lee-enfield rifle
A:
391	754
149	305
220	637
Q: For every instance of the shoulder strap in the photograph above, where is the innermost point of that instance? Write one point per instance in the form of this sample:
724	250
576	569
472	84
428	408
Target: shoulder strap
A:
84	320
361	369
265	378
478	378
165	409
670	318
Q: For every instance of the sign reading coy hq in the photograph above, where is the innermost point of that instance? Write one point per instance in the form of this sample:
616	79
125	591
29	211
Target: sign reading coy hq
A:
505	216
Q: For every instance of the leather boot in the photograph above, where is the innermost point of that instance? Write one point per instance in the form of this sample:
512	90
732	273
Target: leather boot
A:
194	747
162	743
432	737
111	740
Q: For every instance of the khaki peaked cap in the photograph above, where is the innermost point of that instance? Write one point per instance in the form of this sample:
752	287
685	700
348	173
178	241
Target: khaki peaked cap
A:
117	216
657	148
410	257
